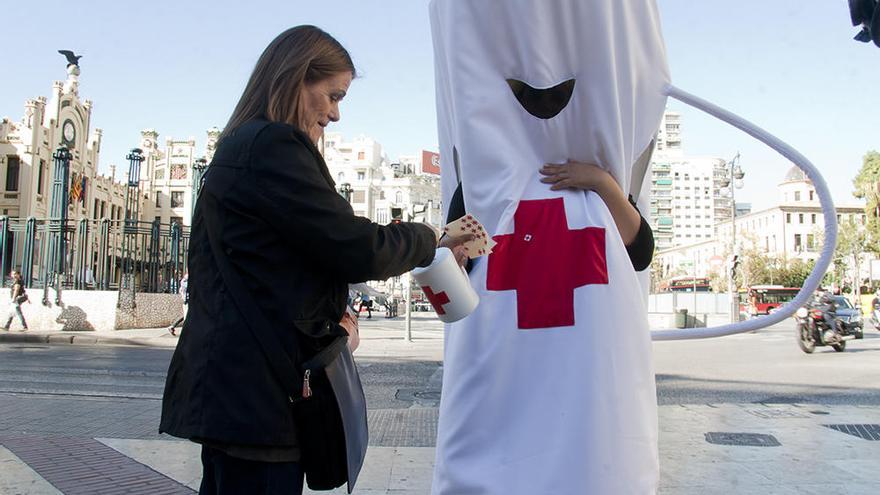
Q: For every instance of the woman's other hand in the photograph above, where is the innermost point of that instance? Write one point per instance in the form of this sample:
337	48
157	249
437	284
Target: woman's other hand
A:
456	245
350	323
576	175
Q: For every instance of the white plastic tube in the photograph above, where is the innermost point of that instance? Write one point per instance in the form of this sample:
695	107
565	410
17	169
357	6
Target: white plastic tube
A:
830	215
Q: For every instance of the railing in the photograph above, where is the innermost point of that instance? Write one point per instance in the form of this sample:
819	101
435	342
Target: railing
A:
88	254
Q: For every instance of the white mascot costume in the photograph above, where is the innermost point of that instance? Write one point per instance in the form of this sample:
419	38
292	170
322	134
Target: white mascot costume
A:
548	386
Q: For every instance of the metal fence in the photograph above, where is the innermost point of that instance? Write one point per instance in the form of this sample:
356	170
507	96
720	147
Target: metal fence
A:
94	254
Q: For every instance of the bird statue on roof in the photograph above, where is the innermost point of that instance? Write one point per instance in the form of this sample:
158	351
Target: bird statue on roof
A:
71	58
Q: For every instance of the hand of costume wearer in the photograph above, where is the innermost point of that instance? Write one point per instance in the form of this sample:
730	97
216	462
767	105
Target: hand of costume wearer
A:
586	176
350	324
456	245
575	175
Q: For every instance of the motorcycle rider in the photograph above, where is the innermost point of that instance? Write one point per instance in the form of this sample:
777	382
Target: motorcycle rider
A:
825	303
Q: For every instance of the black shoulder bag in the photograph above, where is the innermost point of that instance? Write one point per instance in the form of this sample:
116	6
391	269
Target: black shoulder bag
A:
327	399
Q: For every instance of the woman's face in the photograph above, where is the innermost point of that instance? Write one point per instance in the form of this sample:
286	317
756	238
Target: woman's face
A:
319	103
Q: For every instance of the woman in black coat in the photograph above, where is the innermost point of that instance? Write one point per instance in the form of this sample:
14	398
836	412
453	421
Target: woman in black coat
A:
269	208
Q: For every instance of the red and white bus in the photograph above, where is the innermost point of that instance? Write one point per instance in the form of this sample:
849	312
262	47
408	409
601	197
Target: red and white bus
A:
764	299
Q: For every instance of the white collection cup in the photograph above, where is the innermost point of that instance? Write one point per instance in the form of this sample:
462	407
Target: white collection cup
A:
447	287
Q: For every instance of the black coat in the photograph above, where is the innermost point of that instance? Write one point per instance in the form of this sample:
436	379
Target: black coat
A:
296	245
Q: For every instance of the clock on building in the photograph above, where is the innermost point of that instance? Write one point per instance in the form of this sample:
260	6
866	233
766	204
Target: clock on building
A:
68	133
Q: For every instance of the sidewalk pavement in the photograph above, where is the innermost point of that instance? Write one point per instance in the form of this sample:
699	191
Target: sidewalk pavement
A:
705	449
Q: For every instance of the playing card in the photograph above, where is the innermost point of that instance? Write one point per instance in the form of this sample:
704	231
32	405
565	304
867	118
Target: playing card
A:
482	243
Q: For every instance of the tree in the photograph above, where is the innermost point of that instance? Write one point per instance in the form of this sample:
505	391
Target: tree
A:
851	240
867	186
795	273
755	265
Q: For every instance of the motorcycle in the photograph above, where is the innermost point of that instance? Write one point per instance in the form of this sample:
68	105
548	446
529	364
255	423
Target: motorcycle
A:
812	331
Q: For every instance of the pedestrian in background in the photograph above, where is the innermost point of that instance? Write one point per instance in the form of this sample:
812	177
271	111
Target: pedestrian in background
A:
366	303
18	296
272	250
183	290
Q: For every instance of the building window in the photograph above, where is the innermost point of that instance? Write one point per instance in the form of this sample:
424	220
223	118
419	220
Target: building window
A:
811	239
398	197
361	155
361	176
358	197
382	215
382	194
797	242
800	218
811	195
158	199
813	218
40	176
797	195
177	199
341	177
177	220
788	218
13	164
157	219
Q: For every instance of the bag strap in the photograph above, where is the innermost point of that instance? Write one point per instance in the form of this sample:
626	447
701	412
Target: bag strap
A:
290	378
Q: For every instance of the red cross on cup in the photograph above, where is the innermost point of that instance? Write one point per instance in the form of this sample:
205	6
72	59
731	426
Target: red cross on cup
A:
437	300
544	261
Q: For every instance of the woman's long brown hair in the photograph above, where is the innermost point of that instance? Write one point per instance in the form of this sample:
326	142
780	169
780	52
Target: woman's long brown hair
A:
302	54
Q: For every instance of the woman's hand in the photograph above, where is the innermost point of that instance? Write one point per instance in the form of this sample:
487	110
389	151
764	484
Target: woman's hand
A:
576	175
350	324
457	247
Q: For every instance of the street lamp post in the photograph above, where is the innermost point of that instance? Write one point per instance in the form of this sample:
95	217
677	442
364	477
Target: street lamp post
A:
733	182
57	225
127	288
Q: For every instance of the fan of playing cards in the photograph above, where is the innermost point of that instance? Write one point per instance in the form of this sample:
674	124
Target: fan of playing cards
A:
481	245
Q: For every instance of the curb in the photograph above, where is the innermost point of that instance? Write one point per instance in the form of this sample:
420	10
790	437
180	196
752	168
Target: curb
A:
61	338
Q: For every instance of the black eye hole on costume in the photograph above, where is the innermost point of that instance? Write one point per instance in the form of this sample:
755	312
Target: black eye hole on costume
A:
542	103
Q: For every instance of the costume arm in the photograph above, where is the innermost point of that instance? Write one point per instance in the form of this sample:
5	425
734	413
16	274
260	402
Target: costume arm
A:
641	249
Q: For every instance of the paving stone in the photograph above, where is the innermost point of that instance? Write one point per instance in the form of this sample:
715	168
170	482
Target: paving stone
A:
77	465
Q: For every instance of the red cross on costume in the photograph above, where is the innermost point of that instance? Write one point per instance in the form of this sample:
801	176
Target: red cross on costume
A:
437	300
544	261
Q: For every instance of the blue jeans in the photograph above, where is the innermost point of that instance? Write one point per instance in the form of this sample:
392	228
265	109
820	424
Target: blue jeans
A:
17	308
226	475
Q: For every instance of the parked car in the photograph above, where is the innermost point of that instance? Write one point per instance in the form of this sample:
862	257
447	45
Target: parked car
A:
850	315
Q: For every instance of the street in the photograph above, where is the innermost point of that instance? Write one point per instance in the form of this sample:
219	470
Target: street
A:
116	390
105	400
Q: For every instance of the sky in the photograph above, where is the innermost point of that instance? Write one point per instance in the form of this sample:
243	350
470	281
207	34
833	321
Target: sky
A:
789	66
